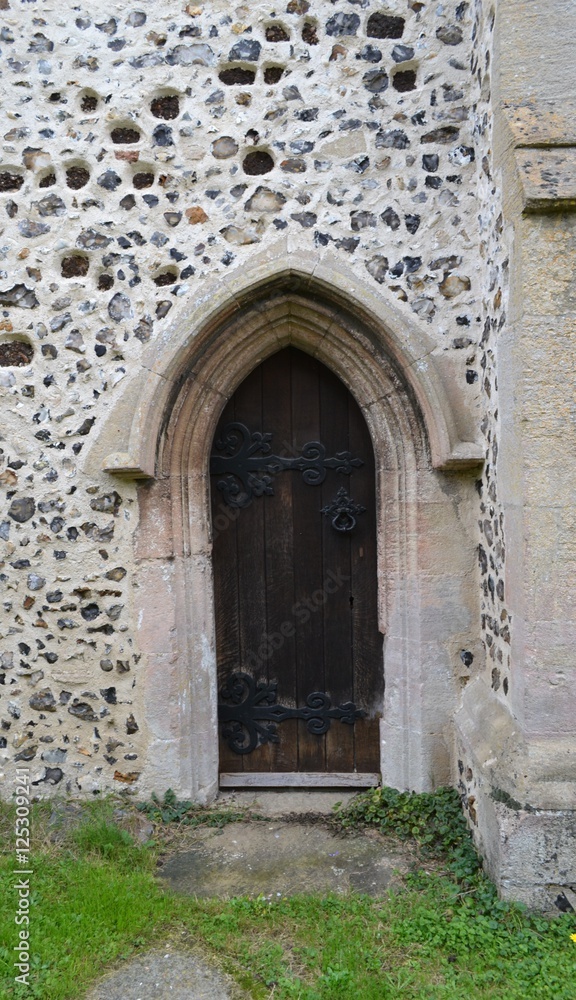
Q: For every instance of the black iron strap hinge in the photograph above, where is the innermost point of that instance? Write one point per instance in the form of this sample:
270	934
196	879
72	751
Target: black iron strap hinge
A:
245	461
250	713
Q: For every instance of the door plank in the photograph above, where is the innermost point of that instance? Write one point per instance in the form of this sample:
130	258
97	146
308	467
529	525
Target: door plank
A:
226	597
310	674
279	534
251	567
336	565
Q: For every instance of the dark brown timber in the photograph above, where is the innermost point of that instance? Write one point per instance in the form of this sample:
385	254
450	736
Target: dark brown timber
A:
296	599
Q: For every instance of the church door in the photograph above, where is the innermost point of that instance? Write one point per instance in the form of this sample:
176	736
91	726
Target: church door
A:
300	671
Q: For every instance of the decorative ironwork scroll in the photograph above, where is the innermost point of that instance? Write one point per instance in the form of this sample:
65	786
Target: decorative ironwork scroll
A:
245	461
250	713
343	511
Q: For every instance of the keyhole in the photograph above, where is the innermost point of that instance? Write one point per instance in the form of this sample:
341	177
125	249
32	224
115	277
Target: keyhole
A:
351	601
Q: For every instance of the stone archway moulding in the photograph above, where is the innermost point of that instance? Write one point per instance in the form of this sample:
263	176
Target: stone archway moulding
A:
163	435
129	442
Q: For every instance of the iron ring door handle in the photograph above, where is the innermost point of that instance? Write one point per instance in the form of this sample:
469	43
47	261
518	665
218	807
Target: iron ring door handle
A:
343	511
344	521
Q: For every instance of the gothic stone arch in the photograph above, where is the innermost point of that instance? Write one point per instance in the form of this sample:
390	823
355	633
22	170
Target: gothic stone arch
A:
426	556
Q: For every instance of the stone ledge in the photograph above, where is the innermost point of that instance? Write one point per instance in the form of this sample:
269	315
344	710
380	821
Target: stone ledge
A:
463	455
122	463
541	123
548	178
543	137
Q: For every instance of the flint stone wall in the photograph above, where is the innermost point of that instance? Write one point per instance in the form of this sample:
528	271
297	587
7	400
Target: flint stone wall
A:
145	151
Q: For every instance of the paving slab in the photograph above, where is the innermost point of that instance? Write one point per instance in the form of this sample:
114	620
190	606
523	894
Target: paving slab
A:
169	975
277	858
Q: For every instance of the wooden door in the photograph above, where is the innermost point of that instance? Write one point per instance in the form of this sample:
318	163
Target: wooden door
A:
300	673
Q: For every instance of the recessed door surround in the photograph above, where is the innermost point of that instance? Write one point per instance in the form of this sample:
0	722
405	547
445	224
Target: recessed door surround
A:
422	608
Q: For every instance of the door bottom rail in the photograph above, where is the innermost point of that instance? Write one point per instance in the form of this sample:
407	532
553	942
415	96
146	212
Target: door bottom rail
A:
299	779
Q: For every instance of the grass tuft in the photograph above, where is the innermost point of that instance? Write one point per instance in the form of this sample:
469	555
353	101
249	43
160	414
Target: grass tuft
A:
104	839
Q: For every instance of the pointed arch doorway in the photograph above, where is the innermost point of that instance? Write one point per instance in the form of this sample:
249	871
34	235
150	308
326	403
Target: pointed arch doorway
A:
299	652
420	425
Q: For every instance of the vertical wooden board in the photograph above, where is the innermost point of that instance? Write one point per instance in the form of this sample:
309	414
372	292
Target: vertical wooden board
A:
336	575
307	557
367	641
226	610
276	399
251	567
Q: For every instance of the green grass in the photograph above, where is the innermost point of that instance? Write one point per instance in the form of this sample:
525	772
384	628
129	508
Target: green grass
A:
96	901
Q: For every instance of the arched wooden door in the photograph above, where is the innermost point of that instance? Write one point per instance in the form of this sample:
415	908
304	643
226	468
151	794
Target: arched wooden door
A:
300	674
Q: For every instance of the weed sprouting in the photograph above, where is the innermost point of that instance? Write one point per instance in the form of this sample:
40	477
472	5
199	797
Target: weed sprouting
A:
434	820
170	809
